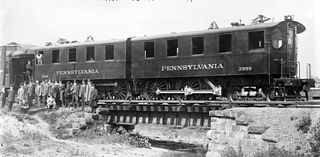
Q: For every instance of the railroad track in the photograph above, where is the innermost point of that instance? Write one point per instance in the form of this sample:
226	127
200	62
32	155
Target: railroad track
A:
179	113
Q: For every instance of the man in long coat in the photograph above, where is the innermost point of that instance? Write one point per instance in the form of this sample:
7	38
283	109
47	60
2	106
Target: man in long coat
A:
45	92
11	98
61	90
87	92
30	93
82	91
67	94
75	94
38	93
22	95
93	97
3	96
55	93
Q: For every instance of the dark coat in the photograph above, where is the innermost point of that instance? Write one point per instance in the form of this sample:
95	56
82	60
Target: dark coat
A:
55	91
45	89
3	95
67	92
11	95
31	90
75	89
93	96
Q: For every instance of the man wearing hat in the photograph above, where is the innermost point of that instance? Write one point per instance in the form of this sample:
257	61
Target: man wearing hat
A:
11	97
82	92
93	97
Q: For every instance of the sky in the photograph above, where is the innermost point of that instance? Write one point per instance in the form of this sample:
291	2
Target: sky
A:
39	21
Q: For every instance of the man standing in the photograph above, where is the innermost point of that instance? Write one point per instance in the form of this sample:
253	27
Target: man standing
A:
45	92
29	70
3	97
56	93
67	94
82	92
22	95
87	92
37	92
11	98
30	92
61	90
75	92
93	97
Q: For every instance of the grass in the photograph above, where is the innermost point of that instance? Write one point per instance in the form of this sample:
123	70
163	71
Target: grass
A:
271	152
304	124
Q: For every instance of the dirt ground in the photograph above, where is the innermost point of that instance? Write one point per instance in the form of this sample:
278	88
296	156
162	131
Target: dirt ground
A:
30	136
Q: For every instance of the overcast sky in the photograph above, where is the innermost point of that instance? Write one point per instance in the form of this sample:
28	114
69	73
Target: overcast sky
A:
39	21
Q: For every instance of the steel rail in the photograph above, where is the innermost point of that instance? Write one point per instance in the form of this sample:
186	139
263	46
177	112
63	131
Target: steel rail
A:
299	104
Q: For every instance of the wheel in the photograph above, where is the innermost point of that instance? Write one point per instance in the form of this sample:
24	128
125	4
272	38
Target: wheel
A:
191	83
273	94
151	88
121	90
194	84
234	94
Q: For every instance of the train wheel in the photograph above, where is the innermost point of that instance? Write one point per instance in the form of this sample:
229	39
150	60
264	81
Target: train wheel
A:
273	94
152	87
121	90
194	84
234	94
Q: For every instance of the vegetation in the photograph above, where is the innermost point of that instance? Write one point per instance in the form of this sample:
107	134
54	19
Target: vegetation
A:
93	131
315	140
304	124
230	152
271	152
278	152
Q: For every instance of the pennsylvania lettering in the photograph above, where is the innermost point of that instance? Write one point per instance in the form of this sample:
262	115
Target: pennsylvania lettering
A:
77	72
191	67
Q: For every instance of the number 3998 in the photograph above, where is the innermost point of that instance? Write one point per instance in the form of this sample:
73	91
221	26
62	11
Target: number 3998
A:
249	68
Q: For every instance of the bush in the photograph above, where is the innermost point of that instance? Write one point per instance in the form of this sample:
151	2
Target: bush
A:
271	152
109	136
315	140
230	152
304	124
277	152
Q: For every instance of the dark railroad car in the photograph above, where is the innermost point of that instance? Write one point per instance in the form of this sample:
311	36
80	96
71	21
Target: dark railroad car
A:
240	60
254	62
103	62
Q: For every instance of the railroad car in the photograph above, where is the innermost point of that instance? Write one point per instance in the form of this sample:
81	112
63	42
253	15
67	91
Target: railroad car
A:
253	62
16	59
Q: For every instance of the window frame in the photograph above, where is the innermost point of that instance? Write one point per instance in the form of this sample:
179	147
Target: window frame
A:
94	57
250	45
177	48
36	60
228	43
192	45
75	55
105	52
145	49
55	59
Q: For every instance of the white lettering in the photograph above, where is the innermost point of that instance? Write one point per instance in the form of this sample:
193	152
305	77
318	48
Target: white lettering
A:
192	67
78	72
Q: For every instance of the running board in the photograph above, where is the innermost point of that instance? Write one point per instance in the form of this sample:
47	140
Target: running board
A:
189	91
107	84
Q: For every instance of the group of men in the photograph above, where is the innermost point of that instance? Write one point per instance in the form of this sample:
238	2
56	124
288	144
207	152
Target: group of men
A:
52	94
